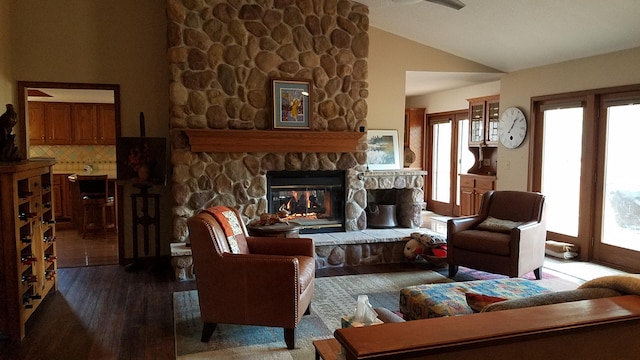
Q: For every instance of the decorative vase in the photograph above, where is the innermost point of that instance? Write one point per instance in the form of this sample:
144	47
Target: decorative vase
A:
409	156
143	173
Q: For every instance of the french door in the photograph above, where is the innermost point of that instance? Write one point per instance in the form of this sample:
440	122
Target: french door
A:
617	237
447	155
584	163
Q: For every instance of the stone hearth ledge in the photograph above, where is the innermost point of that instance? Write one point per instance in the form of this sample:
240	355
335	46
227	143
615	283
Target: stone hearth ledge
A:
350	248
367	236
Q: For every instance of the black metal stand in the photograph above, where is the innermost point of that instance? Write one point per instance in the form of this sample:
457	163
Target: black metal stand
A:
146	220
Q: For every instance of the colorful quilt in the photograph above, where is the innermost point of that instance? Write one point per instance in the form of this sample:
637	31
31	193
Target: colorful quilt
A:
448	299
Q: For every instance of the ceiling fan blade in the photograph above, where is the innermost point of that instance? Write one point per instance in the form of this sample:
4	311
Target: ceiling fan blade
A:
454	4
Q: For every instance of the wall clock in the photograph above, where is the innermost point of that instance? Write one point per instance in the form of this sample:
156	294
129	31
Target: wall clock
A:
512	127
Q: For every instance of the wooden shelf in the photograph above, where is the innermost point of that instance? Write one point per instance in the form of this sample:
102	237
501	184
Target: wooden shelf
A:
305	141
24	283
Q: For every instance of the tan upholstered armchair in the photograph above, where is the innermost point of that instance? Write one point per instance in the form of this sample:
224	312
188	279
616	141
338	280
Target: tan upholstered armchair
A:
507	237
266	281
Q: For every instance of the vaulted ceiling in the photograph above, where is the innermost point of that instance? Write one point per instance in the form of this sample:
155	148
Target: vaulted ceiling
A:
509	35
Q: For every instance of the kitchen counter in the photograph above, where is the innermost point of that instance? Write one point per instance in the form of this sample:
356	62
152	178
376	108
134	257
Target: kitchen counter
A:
73	177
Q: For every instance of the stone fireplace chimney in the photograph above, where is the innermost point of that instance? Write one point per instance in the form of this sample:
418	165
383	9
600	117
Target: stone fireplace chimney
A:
223	56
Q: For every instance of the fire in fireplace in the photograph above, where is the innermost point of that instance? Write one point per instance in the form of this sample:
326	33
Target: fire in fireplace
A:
313	199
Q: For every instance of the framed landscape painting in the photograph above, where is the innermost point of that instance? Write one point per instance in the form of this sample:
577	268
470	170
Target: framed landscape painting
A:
382	150
291	104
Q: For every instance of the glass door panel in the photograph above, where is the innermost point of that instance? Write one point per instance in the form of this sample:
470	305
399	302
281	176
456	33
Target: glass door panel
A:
621	192
561	169
448	150
466	160
441	162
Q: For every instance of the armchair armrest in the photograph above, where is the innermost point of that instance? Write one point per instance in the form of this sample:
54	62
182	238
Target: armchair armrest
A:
281	246
528	230
463	223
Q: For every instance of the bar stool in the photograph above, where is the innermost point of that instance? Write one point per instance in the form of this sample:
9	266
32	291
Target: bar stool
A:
95	198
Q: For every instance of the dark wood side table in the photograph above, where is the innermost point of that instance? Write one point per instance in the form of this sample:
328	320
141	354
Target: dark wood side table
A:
290	229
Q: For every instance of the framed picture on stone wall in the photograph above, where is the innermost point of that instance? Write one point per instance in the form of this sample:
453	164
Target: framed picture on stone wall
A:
382	150
291	104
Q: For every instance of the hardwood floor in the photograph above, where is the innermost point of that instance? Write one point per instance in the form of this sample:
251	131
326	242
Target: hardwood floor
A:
103	312
95	249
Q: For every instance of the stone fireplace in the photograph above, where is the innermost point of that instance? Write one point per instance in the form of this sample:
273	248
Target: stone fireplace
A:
223	55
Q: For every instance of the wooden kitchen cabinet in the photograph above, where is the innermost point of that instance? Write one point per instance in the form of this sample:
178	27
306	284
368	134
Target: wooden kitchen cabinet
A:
484	114
72	124
106	118
61	195
472	187
93	124
49	123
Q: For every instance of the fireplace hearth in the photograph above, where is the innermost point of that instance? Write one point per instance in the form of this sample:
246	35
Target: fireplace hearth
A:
313	199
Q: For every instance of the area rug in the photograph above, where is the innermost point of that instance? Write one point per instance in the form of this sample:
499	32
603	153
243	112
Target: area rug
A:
334	297
550	279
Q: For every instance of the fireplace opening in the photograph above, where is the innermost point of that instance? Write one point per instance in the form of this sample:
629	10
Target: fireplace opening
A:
313	199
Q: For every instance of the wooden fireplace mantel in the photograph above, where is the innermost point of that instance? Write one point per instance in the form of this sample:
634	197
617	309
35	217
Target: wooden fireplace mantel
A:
208	140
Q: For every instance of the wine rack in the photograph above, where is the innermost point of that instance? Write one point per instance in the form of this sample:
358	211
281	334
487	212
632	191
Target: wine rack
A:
28	259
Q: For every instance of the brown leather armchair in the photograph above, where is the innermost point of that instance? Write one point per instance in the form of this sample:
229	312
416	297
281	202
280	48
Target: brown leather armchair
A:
265	281
507	237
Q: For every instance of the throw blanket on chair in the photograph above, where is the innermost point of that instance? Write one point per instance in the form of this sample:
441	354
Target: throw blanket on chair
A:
230	225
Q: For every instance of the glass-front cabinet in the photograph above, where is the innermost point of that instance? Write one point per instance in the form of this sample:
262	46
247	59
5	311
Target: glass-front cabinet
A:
493	117
484	113
476	121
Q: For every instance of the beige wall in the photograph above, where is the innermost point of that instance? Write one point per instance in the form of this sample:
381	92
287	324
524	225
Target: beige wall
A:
517	88
94	41
7	86
390	57
114	42
451	100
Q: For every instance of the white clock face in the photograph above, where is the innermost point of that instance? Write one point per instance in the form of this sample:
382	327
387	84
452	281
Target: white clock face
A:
512	128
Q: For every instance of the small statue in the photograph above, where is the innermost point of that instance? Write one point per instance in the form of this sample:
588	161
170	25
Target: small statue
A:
8	150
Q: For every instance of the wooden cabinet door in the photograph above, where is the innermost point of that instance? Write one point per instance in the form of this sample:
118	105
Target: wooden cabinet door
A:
58	123
476	122
85	128
493	117
57	196
37	131
106	116
466	201
61	195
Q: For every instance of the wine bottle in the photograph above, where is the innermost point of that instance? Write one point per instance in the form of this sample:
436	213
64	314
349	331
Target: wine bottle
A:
29	278
28	259
49	221
47	205
26	215
50	257
49	238
26	298
50	274
26	239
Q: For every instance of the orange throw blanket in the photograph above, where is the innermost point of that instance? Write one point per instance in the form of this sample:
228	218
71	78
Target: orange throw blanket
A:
230	225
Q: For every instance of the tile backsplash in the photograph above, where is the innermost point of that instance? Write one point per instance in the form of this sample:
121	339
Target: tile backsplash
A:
73	158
